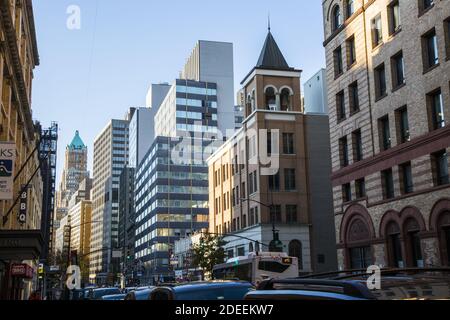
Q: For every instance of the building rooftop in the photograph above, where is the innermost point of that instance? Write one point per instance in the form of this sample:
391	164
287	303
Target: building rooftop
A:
77	143
271	56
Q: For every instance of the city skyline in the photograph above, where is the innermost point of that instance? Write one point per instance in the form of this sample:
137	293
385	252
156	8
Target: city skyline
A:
87	88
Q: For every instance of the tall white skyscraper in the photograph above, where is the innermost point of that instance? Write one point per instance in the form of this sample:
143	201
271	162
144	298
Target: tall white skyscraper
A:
110	157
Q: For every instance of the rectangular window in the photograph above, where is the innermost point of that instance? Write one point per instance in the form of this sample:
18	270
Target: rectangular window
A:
244	190
351	52
357	146
380	81
377	31
406	179
436	110
253	182
274	182
394	17
425	5
385	133
388	184
343	146
430	51
360	188
288	143
275	214
347	193
340	105
447	38
291	214
269	142
403	125
440	168
289	180
338	65
398	70
353	97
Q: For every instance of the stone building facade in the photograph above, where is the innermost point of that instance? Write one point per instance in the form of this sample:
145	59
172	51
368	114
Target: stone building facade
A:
388	74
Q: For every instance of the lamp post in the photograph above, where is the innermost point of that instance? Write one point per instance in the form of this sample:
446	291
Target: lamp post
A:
275	245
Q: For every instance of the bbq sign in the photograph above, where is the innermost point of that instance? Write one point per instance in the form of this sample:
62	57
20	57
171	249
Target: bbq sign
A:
7	159
23	206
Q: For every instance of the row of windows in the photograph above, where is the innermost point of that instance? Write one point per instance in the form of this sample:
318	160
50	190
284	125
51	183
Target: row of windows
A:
196	103
436	120
439	163
290	216
198	91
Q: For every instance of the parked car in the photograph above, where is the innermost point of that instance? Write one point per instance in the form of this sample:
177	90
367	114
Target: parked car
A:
99	293
114	297
396	284
139	294
214	290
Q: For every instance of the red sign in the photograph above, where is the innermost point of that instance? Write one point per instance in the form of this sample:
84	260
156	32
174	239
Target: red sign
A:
21	271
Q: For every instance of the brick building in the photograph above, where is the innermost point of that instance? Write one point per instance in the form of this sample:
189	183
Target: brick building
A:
388	74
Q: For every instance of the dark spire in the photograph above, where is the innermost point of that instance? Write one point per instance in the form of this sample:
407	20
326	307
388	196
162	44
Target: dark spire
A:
271	56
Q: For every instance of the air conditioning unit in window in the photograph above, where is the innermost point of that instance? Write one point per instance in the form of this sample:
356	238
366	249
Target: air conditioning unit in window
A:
273	107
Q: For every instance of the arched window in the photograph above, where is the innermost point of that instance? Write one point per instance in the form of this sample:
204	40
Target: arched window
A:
285	98
349	8
296	250
360	251
413	243
250	247
257	247
393	237
271	99
336	18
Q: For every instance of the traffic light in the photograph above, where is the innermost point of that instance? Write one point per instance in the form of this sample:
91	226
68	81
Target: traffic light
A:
41	271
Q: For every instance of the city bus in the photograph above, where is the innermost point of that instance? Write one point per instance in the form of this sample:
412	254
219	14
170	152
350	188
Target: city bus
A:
257	267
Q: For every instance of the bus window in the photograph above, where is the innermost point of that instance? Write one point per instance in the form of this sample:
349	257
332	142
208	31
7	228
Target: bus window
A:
272	266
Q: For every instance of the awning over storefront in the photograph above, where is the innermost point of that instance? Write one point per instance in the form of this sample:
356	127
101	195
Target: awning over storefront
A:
16	245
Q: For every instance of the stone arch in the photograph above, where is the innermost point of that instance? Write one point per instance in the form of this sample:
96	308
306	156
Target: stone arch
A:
388	217
356	211
336	17
412	213
333	4
439	208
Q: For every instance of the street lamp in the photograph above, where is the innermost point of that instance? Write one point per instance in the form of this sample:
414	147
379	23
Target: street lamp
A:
275	245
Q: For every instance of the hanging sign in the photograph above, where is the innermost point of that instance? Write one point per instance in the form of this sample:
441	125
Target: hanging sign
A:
7	159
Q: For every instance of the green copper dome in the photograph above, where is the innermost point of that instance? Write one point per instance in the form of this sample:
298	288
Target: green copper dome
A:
77	143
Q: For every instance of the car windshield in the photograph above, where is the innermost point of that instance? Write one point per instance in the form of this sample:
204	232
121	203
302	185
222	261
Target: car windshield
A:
103	292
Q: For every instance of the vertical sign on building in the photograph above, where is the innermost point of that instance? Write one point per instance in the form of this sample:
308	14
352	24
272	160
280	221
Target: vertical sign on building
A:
23	204
7	159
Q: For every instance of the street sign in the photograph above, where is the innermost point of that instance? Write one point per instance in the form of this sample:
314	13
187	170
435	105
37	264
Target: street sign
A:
23	206
7	160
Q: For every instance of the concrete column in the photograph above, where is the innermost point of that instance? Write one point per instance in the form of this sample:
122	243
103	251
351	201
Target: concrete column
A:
278	101
430	250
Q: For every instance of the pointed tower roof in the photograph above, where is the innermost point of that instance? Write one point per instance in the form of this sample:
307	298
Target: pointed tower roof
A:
77	143
271	56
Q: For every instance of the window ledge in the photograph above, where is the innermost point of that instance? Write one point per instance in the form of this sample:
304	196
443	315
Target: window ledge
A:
429	69
399	87
424	11
351	66
337	76
354	112
377	46
395	32
381	97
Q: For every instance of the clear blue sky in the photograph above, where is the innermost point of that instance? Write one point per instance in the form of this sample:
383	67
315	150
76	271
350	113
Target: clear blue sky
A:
91	75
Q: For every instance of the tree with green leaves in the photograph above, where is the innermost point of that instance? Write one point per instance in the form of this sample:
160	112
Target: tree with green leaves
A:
208	253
